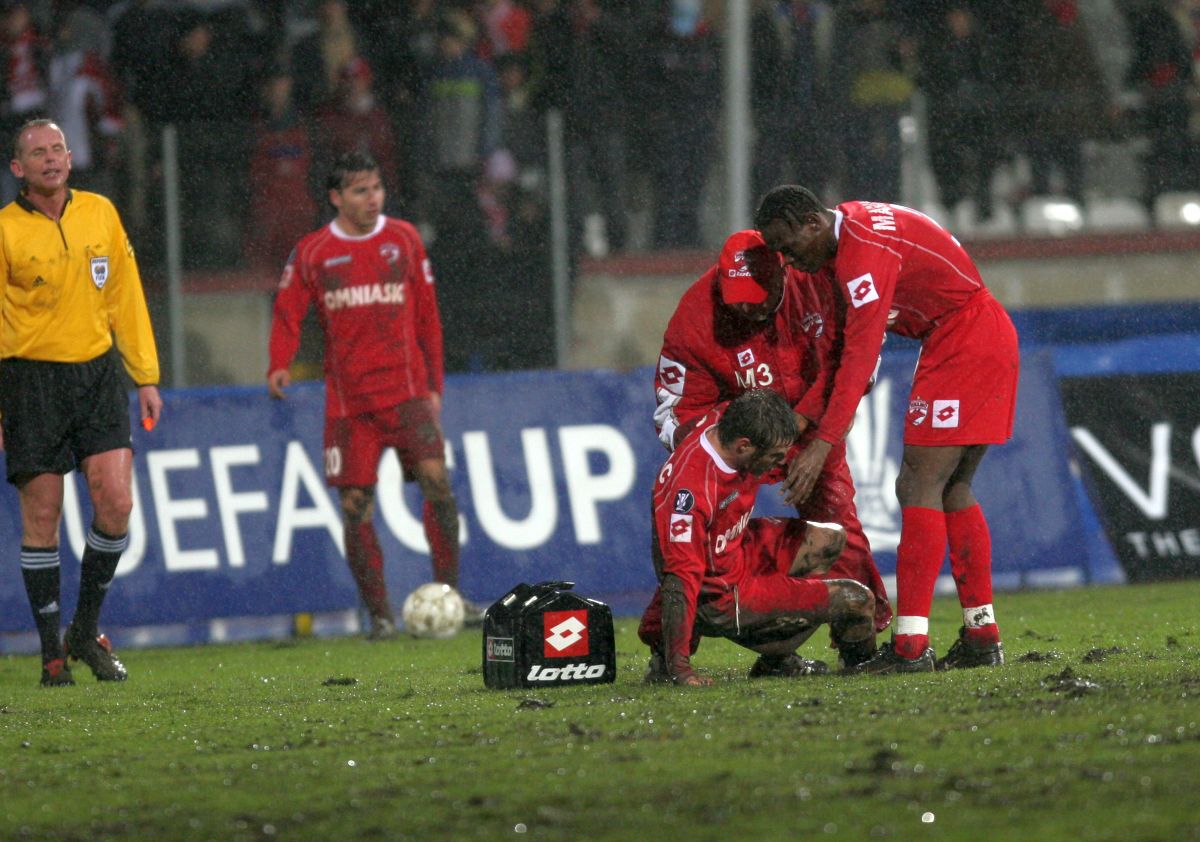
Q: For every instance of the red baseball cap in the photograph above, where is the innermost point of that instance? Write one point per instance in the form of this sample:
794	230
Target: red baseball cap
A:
740	257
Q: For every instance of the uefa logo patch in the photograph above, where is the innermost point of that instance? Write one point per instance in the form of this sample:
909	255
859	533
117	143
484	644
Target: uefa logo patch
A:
565	634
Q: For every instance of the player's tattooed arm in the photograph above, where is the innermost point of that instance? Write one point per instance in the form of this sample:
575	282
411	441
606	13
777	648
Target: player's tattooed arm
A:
677	635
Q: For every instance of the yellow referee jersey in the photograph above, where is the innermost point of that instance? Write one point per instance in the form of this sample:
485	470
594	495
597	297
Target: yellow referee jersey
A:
66	287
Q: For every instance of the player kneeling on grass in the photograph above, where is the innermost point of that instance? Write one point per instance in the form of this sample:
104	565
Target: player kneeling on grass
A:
725	574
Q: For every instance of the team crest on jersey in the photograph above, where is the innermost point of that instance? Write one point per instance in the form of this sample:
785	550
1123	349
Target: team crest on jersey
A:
671	374
389	252
862	290
99	271
918	410
813	323
745	357
945	414
684	500
681	529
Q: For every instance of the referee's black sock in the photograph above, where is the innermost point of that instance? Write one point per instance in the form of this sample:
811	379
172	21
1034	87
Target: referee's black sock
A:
41	571
100	559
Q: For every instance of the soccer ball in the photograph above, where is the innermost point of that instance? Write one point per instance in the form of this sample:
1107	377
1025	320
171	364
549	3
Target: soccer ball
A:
433	610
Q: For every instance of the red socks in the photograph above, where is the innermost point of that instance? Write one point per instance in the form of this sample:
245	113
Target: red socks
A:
918	561
365	558
971	564
441	531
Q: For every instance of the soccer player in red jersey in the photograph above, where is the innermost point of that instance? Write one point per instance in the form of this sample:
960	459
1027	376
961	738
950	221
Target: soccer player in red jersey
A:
725	574
751	322
903	272
371	282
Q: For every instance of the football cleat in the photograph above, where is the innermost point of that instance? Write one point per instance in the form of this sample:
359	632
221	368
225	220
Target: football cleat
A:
789	666
382	628
473	614
965	654
656	670
96	652
56	673
887	661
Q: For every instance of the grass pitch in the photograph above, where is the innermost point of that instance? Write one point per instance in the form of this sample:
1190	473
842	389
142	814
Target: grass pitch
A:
1091	732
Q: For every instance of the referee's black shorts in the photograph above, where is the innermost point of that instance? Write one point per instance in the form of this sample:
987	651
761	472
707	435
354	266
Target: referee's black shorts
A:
55	415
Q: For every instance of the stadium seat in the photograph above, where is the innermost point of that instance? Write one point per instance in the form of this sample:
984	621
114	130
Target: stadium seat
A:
1177	210
1116	214
1052	215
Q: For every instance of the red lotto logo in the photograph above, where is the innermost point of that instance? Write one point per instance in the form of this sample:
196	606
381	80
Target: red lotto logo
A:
565	633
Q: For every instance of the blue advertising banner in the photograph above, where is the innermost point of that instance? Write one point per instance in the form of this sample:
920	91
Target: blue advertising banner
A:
552	472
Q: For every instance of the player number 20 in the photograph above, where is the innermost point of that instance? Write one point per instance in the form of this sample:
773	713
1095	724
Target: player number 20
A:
333	461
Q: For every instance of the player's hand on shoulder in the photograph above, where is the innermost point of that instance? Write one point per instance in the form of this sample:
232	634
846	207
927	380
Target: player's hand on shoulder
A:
277	381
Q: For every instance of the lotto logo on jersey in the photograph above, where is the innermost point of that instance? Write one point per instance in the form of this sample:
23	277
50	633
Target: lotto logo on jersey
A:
945	413
671	375
746	358
566	633
681	529
862	290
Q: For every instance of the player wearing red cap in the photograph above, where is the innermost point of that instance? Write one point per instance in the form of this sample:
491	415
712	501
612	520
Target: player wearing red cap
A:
750	322
903	272
725	574
372	284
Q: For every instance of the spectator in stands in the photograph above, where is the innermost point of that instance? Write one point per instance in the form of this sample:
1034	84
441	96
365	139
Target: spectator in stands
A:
679	88
353	121
84	99
1161	70
875	85
25	56
1063	90
318	60
207	106
280	172
464	117
787	78
505	26
957	75
586	71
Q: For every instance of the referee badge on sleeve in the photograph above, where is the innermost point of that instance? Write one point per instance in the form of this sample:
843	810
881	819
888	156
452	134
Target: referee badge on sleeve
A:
99	271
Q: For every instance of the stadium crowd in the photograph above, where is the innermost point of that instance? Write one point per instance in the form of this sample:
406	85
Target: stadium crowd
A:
450	96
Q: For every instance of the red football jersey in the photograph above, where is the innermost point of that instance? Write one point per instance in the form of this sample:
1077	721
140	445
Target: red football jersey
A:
902	272
375	299
710	354
701	507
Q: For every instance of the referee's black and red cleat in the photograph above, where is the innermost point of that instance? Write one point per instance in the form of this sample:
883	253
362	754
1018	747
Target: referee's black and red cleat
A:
96	652
966	654
56	673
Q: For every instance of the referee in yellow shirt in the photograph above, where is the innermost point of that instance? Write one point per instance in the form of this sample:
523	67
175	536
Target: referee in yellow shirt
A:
69	284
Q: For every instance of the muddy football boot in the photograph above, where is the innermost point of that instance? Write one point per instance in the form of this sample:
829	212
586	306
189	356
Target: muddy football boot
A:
789	666
966	654
887	661
56	673
96	652
382	628
656	670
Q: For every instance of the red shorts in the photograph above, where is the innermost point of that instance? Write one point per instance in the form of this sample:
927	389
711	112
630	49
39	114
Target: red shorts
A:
768	594
353	445
964	391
